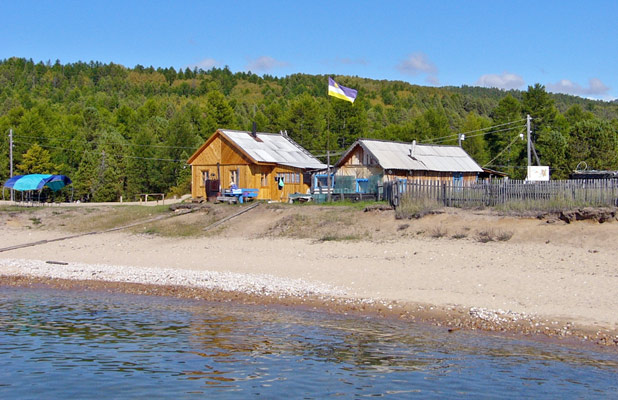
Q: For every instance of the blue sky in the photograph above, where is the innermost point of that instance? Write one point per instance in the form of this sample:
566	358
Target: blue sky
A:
568	46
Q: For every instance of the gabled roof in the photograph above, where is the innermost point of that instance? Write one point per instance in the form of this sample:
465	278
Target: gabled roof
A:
416	157
270	148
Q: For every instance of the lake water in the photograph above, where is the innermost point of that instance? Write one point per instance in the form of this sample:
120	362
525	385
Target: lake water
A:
69	344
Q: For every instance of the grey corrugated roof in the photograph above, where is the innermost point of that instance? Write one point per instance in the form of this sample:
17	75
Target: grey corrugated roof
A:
396	155
273	148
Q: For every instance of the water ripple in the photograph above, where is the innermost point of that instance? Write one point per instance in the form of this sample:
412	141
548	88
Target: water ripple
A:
63	344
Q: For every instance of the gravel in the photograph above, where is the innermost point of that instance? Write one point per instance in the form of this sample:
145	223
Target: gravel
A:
252	284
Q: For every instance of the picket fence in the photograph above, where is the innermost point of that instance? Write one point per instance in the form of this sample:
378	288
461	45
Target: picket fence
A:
550	194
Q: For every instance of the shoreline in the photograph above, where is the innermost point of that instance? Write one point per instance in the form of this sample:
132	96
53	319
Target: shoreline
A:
548	277
272	291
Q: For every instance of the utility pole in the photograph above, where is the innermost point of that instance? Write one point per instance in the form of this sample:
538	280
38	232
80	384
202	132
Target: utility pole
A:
11	161
528	118
328	195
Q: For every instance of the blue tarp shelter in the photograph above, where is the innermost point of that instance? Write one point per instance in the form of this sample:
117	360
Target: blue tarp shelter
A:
37	182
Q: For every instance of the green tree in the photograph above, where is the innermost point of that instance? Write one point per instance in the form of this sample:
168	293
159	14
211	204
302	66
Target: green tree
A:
305	122
594	142
474	143
504	143
37	160
553	147
576	113
540	106
219	113
101	175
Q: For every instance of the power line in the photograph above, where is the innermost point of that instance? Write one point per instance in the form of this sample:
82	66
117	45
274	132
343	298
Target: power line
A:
120	144
96	152
484	133
477	130
503	150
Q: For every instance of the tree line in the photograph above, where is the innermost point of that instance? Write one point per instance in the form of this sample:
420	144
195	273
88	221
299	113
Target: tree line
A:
120	131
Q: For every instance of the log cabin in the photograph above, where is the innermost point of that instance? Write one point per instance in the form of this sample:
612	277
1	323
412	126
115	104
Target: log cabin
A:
388	161
272	163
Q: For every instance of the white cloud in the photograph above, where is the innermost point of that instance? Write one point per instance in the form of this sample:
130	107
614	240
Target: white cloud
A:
417	63
205	64
432	80
505	80
265	64
595	88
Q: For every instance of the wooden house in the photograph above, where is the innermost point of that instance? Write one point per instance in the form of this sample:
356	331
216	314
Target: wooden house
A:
272	163
368	158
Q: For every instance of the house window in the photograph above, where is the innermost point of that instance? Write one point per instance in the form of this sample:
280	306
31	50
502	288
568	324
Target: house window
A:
368	159
234	177
264	179
205	176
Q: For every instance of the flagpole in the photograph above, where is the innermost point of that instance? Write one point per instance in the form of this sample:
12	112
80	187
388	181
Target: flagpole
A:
343	93
11	161
328	183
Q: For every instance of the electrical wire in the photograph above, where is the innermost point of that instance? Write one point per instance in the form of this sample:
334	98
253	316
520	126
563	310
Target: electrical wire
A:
503	150
96	152
482	134
476	130
120	144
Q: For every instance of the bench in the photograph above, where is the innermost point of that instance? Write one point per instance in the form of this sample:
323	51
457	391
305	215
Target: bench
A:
238	195
299	197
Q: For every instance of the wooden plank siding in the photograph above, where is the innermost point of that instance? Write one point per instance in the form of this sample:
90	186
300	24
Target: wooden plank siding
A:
219	157
432	176
361	165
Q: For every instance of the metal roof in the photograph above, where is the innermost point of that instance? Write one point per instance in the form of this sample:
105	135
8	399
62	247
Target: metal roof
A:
419	157
273	148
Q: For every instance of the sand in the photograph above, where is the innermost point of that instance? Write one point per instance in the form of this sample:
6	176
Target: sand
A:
554	276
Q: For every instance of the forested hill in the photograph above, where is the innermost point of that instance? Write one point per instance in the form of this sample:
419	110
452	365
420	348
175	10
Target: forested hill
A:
120	131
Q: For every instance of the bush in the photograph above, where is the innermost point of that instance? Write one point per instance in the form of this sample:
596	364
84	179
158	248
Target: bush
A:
492	235
437	232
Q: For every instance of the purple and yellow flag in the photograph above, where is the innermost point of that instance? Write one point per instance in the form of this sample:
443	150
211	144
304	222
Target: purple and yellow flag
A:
340	92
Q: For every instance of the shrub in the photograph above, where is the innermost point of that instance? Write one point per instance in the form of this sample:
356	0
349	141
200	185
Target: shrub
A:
437	232
491	235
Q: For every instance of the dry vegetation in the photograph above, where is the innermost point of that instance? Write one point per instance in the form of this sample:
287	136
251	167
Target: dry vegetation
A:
314	222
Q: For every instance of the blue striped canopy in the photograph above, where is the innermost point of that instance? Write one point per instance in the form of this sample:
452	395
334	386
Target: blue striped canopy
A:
37	182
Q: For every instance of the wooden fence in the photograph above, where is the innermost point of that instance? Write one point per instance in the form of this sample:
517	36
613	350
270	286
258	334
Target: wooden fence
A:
544	195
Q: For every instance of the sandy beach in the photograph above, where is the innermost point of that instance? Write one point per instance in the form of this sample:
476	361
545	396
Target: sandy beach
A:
550	277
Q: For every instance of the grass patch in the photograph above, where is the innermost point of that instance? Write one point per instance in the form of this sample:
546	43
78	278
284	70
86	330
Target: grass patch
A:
356	205
35	220
491	235
338	238
96	219
333	223
437	232
540	205
504	236
19	209
415	208
459	235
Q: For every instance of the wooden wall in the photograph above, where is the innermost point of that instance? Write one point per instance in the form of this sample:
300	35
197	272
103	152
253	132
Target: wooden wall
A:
361	166
447	177
234	164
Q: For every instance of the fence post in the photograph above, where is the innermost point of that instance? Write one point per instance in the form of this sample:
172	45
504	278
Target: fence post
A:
444	200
